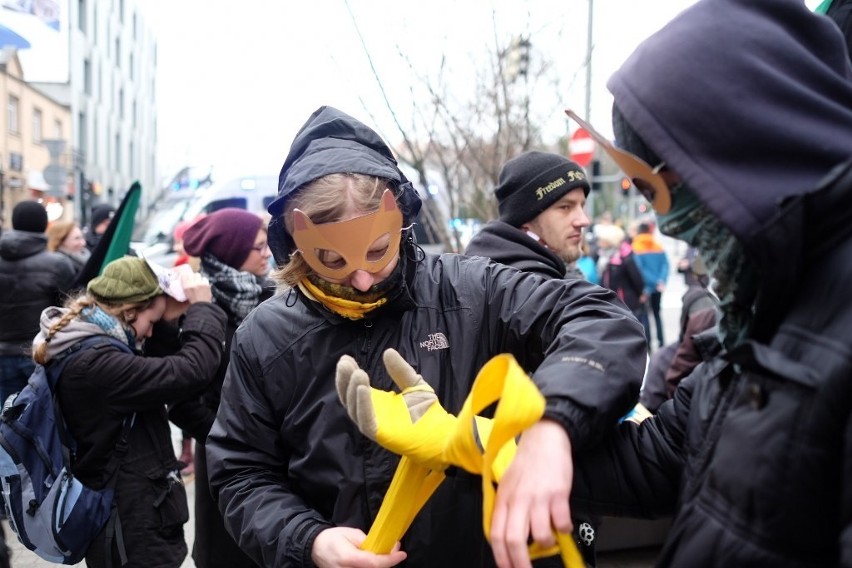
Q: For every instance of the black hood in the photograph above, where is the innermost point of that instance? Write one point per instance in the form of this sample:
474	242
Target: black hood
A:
509	245
331	142
750	101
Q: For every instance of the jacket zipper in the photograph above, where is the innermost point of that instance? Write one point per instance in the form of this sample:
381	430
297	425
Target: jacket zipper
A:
367	343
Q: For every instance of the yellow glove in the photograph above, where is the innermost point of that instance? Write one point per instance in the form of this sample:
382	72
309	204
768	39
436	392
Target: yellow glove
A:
409	423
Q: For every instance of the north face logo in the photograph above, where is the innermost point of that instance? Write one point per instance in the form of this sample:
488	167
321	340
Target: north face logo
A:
435	341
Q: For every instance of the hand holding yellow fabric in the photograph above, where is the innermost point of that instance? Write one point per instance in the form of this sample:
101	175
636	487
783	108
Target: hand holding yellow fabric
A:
414	425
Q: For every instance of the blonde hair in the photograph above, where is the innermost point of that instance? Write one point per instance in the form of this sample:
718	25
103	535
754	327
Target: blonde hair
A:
76	305
325	200
613	235
57	233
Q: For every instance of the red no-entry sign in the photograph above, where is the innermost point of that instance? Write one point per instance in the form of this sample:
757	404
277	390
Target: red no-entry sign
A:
582	147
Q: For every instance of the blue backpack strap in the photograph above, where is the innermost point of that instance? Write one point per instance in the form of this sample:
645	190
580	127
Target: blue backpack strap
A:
54	369
113	527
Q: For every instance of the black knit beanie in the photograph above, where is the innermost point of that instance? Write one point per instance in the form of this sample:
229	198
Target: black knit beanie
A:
29	216
532	182
628	139
228	234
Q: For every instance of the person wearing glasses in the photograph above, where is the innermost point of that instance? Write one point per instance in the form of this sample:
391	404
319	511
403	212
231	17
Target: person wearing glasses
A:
735	120
298	482
232	246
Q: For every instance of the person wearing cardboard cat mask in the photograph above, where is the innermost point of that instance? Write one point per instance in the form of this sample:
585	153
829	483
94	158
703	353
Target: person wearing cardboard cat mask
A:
297	481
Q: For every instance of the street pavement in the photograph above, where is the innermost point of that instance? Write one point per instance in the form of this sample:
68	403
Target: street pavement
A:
641	557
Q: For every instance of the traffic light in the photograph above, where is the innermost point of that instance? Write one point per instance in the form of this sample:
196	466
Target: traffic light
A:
596	175
518	58
625	186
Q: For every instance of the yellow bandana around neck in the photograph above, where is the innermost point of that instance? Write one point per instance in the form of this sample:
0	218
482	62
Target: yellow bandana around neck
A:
347	308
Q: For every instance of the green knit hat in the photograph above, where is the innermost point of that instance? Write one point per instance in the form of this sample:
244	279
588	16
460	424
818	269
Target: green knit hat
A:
127	280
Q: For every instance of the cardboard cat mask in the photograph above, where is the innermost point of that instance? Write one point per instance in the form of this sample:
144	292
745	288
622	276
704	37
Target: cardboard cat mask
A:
353	240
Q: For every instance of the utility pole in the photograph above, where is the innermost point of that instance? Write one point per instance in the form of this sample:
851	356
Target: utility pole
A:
589	46
590	205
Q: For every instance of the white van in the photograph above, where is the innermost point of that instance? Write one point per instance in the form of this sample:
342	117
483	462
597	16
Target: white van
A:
251	192
154	238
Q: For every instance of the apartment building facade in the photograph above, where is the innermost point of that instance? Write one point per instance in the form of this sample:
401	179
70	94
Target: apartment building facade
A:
30	122
109	87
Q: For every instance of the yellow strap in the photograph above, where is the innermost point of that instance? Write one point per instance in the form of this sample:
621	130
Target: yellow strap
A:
423	441
410	488
479	445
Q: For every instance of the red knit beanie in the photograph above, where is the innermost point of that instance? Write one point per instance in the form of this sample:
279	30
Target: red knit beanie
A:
227	234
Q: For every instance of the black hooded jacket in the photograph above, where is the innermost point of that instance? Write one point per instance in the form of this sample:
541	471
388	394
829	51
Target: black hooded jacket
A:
31	279
509	245
750	102
286	462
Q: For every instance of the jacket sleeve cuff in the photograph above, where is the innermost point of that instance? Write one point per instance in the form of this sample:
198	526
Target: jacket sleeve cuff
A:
572	421
303	539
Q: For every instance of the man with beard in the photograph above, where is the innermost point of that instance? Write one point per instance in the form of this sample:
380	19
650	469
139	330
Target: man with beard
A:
540	198
540	229
734	120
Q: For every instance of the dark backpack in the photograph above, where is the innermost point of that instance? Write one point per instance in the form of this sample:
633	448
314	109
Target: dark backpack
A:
52	512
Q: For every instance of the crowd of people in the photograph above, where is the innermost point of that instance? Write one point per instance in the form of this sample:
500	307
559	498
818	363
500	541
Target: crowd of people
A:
281	346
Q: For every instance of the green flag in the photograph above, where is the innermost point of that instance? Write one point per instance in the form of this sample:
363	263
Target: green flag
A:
115	241
124	220
823	7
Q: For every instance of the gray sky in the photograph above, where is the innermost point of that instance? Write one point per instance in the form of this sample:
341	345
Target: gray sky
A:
237	79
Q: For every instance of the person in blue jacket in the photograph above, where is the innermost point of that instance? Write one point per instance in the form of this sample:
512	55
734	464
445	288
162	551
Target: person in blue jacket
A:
654	265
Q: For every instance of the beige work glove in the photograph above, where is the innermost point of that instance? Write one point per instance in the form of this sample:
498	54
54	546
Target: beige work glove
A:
411	422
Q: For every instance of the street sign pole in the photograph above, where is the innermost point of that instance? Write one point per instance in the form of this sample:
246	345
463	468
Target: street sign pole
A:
582	148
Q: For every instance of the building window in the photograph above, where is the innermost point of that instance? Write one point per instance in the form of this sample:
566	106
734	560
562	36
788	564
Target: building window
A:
57	130
95	155
87	76
131	65
131	162
95	23
134	26
12	118
118	52
121	11
121	103
81	134
16	162
133	118
118	152
37	120
81	15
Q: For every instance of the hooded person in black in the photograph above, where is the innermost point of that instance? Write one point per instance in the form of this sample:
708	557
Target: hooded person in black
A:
741	114
297	483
